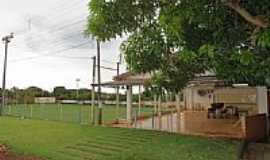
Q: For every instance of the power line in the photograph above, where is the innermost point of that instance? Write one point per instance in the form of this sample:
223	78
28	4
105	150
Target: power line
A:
108	62
72	7
53	29
37	37
61	41
108	68
48	54
72	57
69	7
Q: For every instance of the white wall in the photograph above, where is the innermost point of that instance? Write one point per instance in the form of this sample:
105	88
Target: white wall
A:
192	98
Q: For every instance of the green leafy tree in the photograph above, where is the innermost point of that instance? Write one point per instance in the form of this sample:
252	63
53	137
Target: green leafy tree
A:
177	39
59	92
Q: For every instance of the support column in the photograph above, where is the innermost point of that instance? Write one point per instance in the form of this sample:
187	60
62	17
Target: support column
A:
117	104
117	94
129	103
262	104
140	101
155	104
262	100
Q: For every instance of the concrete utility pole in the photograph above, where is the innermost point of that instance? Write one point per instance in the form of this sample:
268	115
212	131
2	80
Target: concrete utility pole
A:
6	40
93	91
99	87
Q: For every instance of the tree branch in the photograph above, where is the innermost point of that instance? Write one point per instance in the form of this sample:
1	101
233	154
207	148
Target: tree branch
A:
258	21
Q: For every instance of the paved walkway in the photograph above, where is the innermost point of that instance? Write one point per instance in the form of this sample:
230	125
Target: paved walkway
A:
194	123
258	151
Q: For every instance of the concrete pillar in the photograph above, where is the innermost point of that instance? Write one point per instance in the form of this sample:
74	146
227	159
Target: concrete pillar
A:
262	103
262	100
155	104
129	103
117	103
140	101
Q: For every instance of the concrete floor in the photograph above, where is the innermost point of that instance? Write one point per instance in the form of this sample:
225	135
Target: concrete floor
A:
193	123
258	151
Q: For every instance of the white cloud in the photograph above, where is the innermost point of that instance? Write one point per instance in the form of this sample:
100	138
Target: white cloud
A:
55	25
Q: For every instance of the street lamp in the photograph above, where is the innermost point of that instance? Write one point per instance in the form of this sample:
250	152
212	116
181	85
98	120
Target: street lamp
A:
6	40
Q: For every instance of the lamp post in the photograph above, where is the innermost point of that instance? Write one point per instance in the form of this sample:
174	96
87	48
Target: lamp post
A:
6	40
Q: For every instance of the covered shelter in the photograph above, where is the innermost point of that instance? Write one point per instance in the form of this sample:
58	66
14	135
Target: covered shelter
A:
128	80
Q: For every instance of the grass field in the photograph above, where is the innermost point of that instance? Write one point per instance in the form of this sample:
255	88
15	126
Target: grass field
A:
67	113
67	141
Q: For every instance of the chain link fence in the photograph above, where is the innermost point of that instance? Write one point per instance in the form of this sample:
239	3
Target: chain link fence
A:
74	113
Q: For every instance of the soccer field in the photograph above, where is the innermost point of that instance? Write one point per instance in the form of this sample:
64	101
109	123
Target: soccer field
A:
66	141
69	112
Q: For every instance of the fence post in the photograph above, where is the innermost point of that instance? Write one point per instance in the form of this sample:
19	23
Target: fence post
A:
135	118
31	111
167	118
90	114
9	111
171	120
25	112
93	111
159	112
178	107
15	110
79	115
153	119
61	112
167	110
42	112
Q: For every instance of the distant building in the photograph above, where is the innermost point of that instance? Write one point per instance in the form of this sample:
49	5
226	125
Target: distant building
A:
45	100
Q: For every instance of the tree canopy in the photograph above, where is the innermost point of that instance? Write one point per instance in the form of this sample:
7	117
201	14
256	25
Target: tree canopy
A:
177	39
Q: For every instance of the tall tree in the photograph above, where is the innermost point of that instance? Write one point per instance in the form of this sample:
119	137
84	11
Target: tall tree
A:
176	39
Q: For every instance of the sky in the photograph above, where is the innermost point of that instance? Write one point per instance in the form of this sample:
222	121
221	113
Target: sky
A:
49	48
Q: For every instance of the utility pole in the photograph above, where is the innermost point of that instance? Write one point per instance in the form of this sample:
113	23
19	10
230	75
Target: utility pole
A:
99	87
6	40
93	91
78	101
117	93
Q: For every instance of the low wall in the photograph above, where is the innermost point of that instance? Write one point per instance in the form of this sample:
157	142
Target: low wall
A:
256	127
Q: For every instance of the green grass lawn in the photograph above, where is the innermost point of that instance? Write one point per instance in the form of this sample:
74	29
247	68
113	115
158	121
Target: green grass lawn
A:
67	113
67	141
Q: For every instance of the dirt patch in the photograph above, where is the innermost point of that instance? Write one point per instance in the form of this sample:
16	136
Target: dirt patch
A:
6	155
